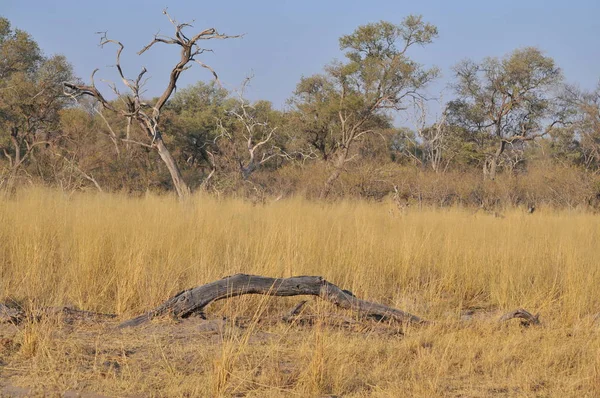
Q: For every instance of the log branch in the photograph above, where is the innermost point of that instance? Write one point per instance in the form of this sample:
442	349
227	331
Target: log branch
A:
294	311
16	315
194	300
189	50
527	317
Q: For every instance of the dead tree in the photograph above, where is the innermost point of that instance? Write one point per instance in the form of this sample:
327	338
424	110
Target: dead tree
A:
193	301
254	131
433	137
145	114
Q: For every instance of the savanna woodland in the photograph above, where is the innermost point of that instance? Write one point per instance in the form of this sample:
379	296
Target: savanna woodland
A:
366	239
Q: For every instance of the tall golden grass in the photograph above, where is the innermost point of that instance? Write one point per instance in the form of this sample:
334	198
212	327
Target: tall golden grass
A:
113	253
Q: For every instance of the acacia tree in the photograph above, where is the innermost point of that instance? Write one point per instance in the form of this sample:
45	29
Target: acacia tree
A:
31	96
354	98
148	115
506	101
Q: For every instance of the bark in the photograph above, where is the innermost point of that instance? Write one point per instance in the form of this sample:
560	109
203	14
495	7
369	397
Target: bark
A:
182	188
136	108
194	300
246	171
527	318
491	165
17	148
329	183
335	174
17	315
294	311
18	161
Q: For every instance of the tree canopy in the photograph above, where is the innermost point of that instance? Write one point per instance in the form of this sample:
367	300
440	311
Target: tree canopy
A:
345	129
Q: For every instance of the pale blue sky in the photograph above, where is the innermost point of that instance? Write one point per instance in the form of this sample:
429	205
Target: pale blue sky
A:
287	39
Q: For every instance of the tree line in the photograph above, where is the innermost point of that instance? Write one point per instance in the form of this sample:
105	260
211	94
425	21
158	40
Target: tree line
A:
509	118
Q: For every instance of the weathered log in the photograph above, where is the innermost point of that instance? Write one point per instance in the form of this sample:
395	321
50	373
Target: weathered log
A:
194	300
10	314
16	315
527	318
294	311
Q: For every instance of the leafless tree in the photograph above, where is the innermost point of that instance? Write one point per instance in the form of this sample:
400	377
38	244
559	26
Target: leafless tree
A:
145	114
254	130
433	137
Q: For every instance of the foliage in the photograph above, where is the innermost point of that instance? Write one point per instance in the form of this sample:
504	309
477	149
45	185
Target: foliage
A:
504	101
353	99
578	142
339	128
31	87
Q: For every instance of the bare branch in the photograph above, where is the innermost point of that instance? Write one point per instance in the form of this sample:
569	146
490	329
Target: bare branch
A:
139	110
113	136
78	90
263	142
294	311
357	136
8	156
527	317
351	158
205	66
85	175
189	49
137	143
157	40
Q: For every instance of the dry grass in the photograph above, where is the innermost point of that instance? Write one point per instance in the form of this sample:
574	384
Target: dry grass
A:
112	253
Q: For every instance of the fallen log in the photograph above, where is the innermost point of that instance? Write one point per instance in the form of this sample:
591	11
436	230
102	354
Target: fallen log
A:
527	318
10	314
194	300
16	315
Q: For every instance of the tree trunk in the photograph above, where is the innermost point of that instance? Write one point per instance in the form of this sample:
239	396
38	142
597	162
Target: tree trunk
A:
182	188
183	191
246	171
16	146
194	300
490	166
335	174
16	164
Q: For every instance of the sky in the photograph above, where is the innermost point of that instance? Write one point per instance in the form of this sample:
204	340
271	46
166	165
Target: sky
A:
285	40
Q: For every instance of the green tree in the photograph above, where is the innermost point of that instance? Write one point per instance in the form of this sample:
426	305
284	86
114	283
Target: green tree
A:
356	97
18	51
192	119
505	101
31	88
315	115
